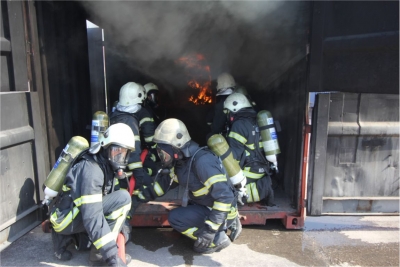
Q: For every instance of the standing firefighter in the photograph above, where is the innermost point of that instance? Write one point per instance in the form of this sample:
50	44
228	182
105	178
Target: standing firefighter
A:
217	119
209	203
245	141
90	203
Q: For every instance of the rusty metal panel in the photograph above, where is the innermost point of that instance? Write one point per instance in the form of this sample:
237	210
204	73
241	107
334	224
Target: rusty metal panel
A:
360	172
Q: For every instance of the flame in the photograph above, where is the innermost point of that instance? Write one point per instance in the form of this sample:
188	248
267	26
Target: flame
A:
199	78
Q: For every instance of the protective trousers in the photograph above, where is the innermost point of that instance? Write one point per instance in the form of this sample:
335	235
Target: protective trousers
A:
187	220
115	208
259	189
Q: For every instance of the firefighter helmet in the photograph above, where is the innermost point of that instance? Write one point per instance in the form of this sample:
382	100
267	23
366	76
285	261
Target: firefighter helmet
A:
118	134
236	102
225	81
150	87
172	132
130	94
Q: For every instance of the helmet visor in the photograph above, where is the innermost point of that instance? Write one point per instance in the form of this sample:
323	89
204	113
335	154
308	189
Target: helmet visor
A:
153	97
118	155
165	157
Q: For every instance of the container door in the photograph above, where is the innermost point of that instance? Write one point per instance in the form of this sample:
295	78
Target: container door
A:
23	157
354	155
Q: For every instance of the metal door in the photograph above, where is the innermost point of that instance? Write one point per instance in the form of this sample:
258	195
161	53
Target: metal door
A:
355	155
23	153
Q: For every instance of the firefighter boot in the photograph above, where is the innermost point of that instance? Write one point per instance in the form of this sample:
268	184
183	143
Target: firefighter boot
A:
60	243
235	228
220	242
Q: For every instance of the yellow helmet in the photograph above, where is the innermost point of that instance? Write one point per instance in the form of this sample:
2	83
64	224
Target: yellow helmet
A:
172	132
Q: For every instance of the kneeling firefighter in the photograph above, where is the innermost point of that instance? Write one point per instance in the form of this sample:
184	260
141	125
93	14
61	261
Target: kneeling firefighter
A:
209	203
90	203
245	141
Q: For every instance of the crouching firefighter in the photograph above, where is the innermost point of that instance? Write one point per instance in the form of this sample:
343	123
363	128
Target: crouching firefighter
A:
90	203
245	141
209	208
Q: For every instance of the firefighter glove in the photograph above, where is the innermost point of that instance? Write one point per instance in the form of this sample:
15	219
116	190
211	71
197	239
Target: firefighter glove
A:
205	236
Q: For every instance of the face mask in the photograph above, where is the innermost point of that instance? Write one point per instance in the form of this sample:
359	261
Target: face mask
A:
165	152
118	157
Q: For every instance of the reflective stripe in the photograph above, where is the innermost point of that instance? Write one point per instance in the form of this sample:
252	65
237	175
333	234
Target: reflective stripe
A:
238	137
158	189
88	199
201	192
137	138
215	179
153	157
65	188
116	181
140	195
149	171
58	227
99	243
189	233
247	153
147	119
214	226
233	213
221	206
149	139
135	165
252	175
251	146
253	193
120	216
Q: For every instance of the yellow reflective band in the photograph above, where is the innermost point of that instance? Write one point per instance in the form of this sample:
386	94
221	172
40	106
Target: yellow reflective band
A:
233	213
201	192
65	188
221	206
158	189
58	227
149	139
135	165
260	144
214	226
117	226
116	181
88	199
189	233
119	212
247	153
253	193
251	146
137	138
154	146
140	195
153	157
238	137
99	243
215	179
147	119
252	175
149	171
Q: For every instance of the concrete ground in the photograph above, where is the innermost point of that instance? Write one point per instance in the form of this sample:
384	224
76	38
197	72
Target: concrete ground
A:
325	241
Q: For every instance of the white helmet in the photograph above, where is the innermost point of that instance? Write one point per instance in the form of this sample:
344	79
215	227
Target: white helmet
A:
172	132
118	134
150	86
225	81
236	102
131	94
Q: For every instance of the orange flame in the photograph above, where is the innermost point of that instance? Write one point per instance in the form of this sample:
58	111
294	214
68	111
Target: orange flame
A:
200	78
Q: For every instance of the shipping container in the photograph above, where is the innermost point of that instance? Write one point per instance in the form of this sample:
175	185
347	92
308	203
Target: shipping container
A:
328	71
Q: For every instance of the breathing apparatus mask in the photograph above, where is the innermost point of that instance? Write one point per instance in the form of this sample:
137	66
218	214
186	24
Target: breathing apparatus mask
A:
168	155
118	159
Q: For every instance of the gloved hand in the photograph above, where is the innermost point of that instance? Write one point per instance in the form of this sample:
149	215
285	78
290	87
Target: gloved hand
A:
205	236
115	261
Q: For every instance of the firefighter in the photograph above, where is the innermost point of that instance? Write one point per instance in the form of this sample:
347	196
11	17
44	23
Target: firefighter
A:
151	100
131	96
90	203
217	119
244	140
209	202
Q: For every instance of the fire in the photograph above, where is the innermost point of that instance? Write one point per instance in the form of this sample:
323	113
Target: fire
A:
199	78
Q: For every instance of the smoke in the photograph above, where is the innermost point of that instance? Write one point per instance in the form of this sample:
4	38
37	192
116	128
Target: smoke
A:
252	40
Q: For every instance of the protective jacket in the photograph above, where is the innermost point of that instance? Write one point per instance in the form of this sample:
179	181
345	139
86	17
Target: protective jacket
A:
244	140
134	163
146	127
208	185
86	184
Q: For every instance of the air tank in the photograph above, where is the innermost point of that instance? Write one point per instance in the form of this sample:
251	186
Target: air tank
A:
220	147
56	177
269	137
99	125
